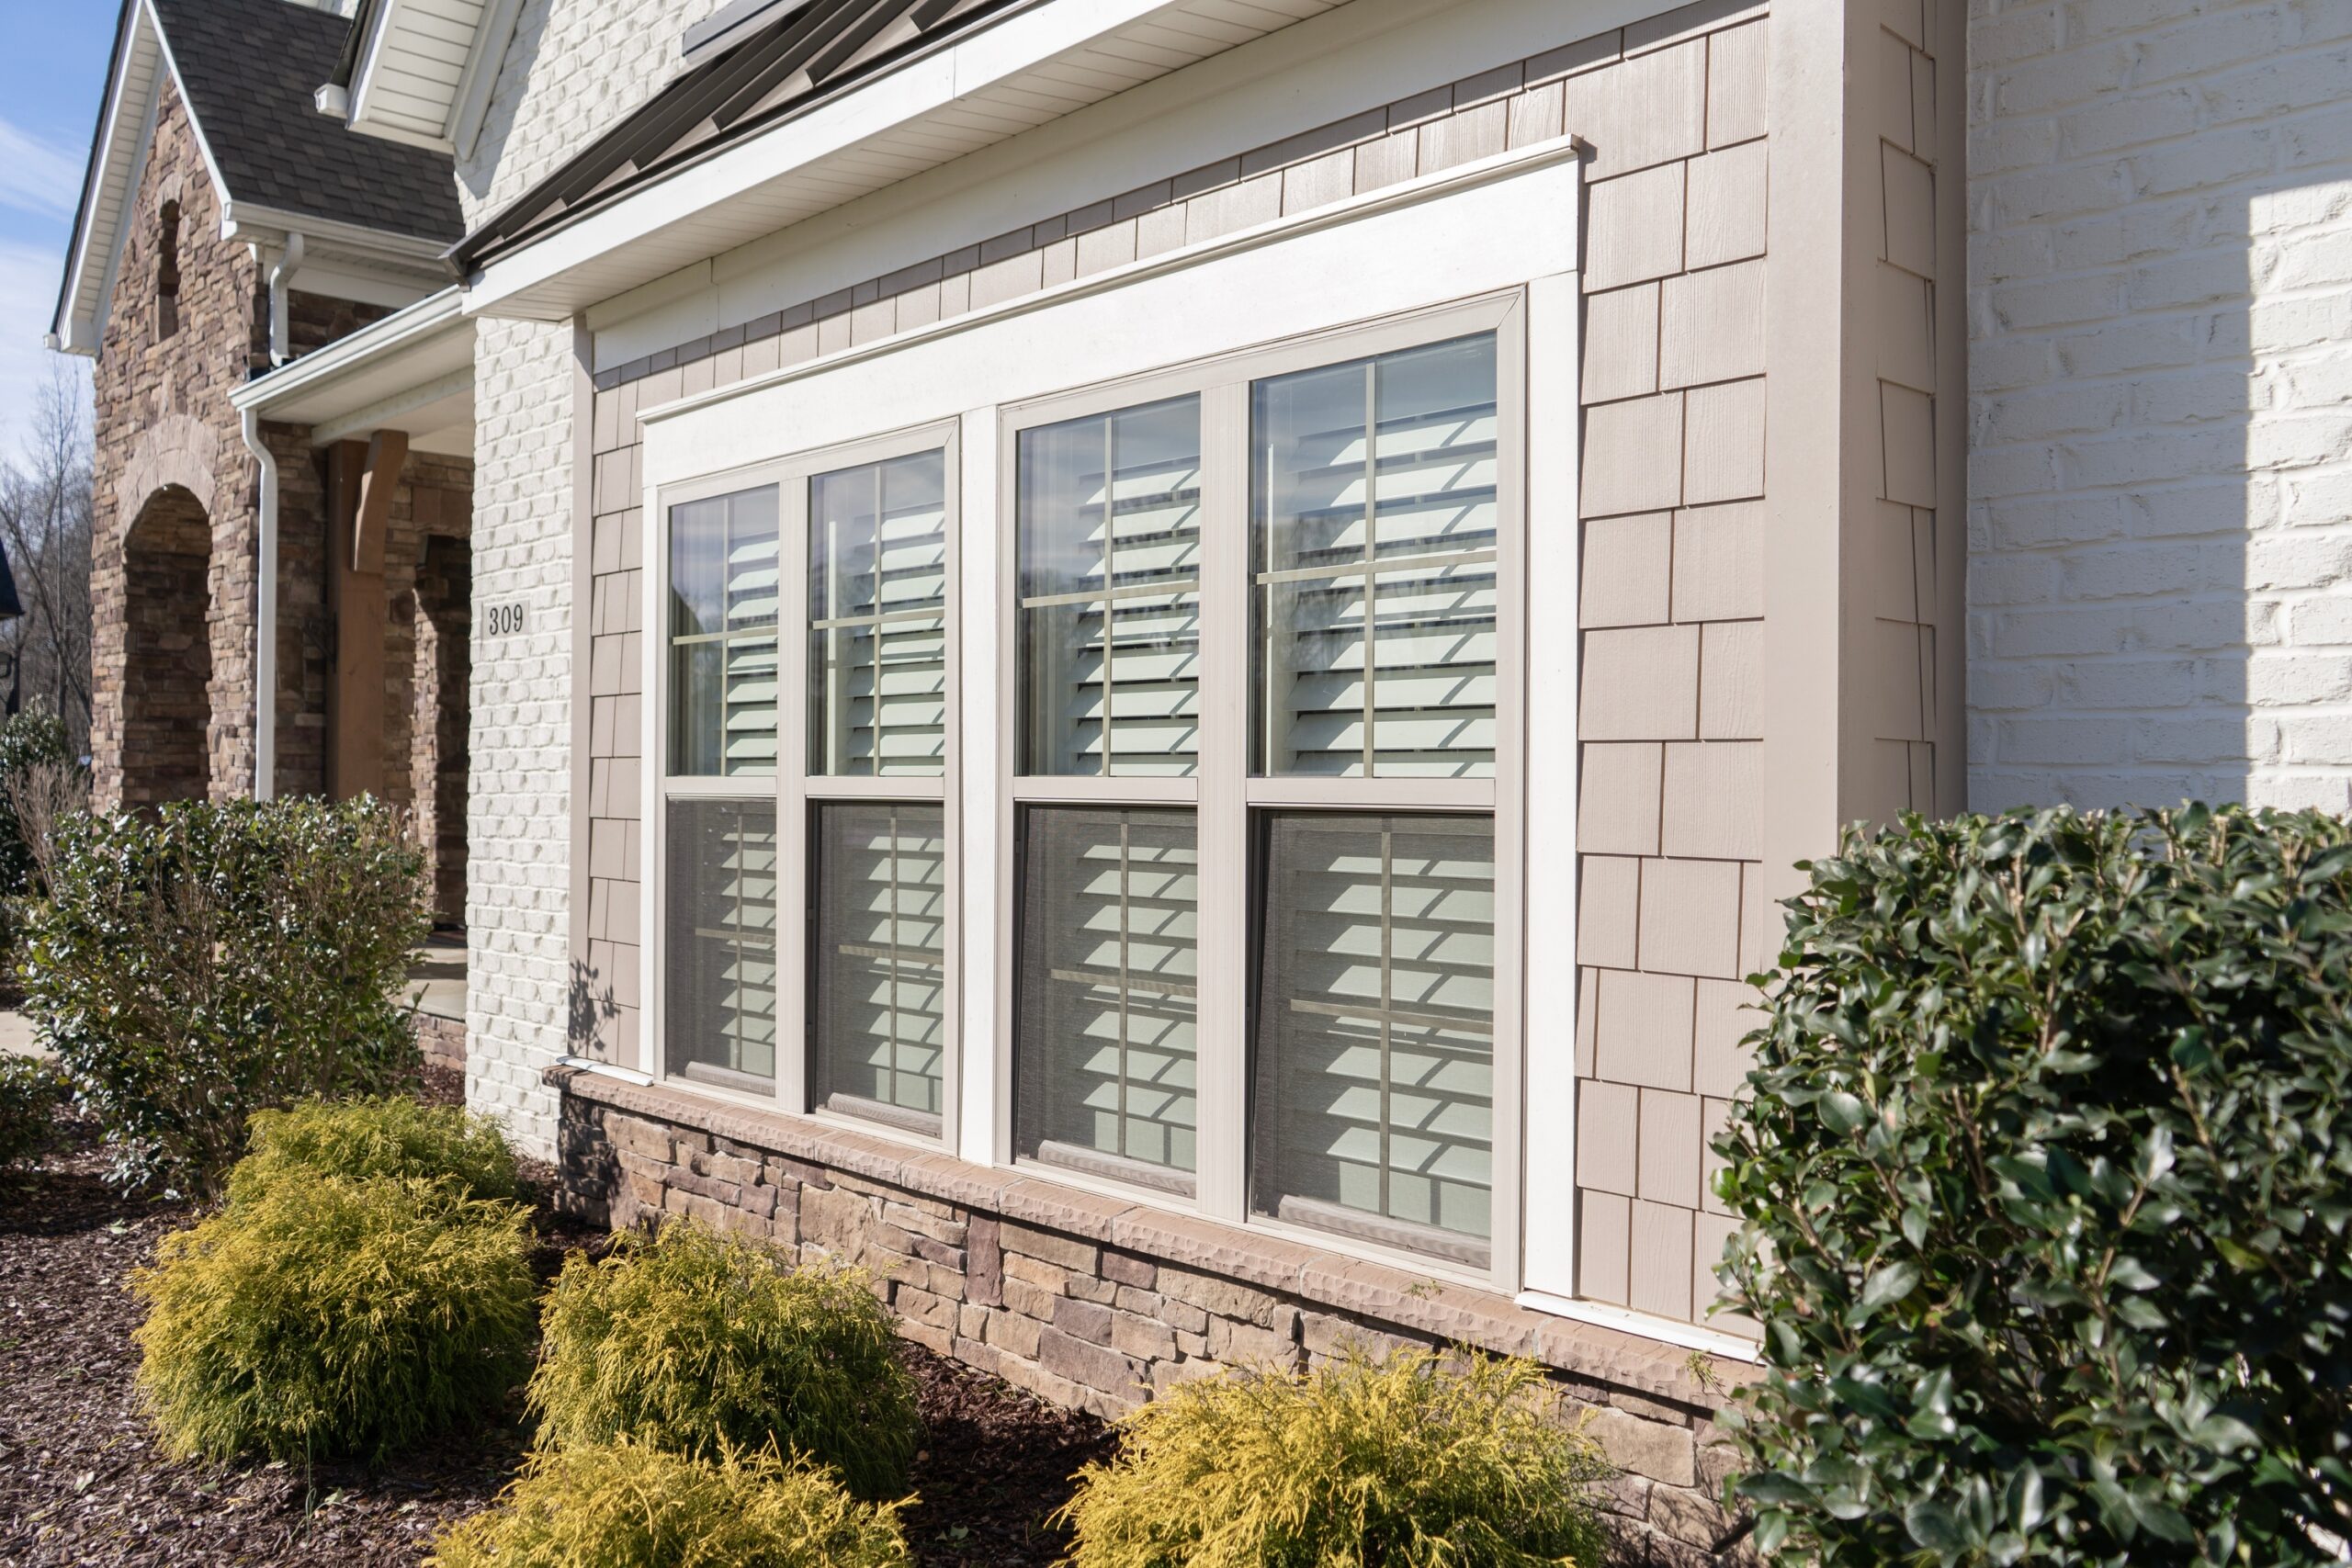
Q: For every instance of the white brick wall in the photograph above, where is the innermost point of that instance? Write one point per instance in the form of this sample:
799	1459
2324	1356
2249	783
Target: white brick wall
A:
574	68
2160	315
518	822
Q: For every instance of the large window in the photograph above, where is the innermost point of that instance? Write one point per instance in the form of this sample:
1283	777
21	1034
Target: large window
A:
1259	686
719	861
1243	903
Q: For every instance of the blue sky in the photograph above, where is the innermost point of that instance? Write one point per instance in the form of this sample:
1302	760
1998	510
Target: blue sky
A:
52	70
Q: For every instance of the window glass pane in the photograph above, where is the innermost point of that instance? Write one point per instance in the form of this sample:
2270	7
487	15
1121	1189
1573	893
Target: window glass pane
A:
878	929
1373	1111
878	618
719	990
723	589
1109	971
1110	579
1373	566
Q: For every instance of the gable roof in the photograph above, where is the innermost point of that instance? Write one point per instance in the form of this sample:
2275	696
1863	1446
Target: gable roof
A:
247	71
251	70
421	71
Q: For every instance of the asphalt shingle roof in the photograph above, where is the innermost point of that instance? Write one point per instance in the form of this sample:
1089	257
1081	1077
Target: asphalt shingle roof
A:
251	69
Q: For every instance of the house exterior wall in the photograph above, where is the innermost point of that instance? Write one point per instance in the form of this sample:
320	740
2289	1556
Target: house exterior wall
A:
2160	318
161	419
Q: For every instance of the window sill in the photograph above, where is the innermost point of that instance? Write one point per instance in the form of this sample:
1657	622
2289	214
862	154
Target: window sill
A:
1373	1291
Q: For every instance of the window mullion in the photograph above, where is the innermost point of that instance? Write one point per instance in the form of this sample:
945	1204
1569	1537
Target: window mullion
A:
1222	821
792	878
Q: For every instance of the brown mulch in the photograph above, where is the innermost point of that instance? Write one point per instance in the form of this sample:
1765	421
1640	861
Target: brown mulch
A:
83	1480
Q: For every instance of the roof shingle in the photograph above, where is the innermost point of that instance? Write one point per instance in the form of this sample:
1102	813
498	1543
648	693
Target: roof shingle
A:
250	69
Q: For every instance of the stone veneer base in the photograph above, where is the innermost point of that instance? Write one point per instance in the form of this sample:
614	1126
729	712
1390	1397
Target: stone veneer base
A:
1100	1303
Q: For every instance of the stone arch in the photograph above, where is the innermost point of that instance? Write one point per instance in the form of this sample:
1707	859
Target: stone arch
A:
167	664
177	450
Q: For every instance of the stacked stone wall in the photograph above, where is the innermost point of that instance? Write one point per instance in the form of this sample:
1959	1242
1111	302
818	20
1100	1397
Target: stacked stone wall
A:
1101	1304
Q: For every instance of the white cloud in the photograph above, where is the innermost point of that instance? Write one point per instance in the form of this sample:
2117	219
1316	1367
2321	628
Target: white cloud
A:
28	275
38	177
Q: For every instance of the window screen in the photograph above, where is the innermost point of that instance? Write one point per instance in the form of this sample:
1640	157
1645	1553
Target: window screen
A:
719	989
1373	1027
1108	977
1372	577
877	926
1109	535
878	618
722	635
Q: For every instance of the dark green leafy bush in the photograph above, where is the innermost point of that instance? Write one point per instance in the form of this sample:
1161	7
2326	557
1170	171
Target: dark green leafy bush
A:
2049	1146
625	1506
219	959
1414	1462
31	1093
330	1317
693	1342
381	1136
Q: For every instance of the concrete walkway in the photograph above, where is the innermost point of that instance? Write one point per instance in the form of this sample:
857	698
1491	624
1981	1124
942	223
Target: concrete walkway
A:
17	1037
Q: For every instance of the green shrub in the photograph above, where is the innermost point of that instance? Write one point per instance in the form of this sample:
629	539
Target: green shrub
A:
626	1505
381	1136
1411	1461
216	959
693	1342
31	1092
2046	1177
332	1317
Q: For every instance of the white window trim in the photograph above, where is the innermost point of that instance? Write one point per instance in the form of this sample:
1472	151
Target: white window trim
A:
1508	225
791	788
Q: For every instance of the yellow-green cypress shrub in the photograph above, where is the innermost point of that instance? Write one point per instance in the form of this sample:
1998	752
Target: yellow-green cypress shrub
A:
1415	1460
627	1506
381	1136
331	1317
691	1341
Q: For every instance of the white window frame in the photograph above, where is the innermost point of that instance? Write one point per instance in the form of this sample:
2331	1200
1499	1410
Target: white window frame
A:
1500	231
1221	791
793	789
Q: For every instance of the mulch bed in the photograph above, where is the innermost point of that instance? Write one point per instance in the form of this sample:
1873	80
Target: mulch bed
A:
83	1480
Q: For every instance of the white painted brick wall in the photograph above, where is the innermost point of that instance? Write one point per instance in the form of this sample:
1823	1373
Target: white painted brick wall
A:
2160	314
518	823
574	68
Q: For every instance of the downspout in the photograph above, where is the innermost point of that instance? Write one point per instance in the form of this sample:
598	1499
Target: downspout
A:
281	278
265	615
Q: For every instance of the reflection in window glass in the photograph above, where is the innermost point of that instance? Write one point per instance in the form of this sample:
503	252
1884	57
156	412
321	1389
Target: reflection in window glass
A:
878	618
1109	974
1373	566
1109	538
723	592
1374	1109
878	933
719	989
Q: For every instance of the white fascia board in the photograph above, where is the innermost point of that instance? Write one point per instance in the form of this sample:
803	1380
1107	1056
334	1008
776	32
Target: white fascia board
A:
376	348
483	59
253	222
921	86
116	162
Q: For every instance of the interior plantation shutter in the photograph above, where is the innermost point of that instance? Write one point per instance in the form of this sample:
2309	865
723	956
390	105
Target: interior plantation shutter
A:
720	993
1109	945
877	617
1374	1103
877	927
1374	583
1110	586
723	600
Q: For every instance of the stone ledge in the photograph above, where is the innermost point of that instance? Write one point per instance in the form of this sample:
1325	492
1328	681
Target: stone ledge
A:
1371	1291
